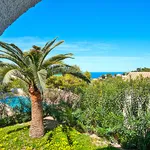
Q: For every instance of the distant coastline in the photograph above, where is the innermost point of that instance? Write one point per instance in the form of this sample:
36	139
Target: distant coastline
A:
99	74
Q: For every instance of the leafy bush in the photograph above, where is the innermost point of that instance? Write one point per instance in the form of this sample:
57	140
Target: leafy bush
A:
117	109
17	118
137	134
64	113
67	82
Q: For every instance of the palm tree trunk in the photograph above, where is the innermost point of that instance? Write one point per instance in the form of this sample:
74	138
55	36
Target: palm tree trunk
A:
36	127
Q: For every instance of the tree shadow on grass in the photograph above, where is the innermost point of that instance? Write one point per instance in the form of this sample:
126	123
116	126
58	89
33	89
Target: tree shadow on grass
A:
18	129
50	123
108	148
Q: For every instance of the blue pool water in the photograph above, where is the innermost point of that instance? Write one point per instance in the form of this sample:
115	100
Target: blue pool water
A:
18	102
24	102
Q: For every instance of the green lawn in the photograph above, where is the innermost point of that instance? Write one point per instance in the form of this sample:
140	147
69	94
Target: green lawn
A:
61	138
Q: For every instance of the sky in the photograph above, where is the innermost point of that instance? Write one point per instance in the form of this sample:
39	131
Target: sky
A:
103	35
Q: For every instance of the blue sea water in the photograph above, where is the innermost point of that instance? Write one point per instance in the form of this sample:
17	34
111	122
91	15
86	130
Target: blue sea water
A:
99	74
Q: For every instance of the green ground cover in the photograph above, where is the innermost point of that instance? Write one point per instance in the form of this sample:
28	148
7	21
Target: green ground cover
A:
61	138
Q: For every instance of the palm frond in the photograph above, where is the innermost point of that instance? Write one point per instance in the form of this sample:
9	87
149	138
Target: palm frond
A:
55	59
42	75
17	48
79	75
56	68
40	79
36	56
9	50
13	56
66	69
30	58
7	47
5	67
14	74
49	44
47	51
3	56
31	67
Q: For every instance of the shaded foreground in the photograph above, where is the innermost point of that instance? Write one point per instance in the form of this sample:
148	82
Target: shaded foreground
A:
61	138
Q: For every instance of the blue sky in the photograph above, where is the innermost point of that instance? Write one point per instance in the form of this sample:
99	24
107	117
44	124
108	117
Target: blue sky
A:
103	35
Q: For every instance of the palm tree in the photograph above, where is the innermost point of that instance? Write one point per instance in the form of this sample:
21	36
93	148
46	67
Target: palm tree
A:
33	68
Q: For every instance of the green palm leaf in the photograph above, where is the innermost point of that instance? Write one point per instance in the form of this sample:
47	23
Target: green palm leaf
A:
48	45
42	75
3	56
10	51
47	50
14	74
56	59
32	67
66	69
17	48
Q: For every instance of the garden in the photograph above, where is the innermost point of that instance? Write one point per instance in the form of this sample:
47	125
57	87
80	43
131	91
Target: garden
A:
113	110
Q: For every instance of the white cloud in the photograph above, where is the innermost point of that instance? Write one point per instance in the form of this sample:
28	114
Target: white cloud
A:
78	48
25	43
109	64
91	56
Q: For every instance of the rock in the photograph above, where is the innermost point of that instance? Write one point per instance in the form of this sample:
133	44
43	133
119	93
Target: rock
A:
49	118
94	136
5	110
98	141
18	92
54	96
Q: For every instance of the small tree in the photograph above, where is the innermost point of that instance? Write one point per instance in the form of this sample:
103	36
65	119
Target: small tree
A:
33	68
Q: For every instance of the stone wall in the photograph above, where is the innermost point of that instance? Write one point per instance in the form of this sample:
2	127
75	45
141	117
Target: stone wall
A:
10	10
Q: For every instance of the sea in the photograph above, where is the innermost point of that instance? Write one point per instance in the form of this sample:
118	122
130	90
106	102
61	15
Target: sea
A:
99	74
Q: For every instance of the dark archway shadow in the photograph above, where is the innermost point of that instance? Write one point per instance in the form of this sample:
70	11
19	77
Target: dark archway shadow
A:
50	123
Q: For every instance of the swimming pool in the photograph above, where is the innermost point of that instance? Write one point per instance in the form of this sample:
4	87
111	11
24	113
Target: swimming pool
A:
18	102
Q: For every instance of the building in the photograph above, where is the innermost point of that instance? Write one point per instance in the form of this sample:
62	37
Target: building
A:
135	75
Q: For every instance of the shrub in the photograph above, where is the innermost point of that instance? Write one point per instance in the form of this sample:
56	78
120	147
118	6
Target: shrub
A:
61	138
117	109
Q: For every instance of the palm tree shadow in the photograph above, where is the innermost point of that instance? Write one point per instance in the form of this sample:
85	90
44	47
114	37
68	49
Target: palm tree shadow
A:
108	148
50	123
18	129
